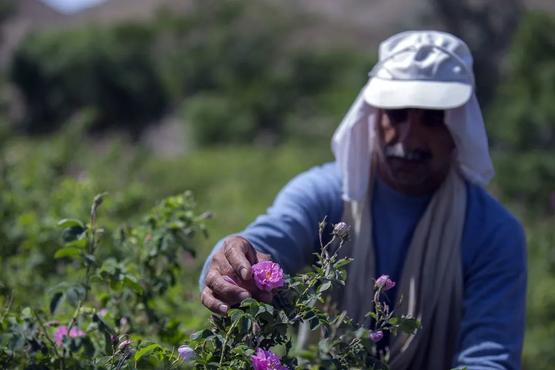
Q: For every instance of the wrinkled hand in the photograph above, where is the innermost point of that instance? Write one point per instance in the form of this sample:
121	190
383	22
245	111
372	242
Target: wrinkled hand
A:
229	278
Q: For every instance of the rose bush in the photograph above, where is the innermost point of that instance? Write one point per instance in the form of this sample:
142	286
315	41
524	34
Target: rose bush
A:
260	335
109	319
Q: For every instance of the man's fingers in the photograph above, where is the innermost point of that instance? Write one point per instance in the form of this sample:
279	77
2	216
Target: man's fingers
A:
226	287
240	255
212	303
228	292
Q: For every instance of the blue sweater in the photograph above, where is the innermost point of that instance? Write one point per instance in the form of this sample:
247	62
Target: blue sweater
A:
493	251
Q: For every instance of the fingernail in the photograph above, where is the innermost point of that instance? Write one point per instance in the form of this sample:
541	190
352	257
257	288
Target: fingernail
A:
244	295
223	308
244	273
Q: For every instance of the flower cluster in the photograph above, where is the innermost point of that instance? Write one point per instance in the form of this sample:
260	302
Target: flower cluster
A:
267	275
266	360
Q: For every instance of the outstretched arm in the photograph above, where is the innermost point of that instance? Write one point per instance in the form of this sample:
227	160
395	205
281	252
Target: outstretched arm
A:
288	231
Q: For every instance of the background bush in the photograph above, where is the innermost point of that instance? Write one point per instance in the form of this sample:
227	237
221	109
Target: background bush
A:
522	118
108	71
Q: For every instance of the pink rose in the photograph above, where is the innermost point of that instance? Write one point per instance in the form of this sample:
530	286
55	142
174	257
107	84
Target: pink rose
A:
384	282
61	332
267	275
266	360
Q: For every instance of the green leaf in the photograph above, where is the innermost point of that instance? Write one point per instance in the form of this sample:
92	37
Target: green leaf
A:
76	243
27	313
131	282
203	334
408	324
324	287
67	252
248	302
235	314
342	262
54	301
70	223
145	351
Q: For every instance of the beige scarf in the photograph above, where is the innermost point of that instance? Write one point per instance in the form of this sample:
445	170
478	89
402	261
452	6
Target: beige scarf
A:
431	284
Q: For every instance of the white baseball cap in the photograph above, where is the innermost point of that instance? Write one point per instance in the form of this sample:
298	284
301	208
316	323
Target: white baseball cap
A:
421	69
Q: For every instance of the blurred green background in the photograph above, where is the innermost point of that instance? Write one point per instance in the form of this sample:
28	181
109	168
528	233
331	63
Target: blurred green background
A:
231	99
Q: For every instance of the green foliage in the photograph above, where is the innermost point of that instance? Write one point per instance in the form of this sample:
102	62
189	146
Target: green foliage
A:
540	319
523	117
114	300
527	178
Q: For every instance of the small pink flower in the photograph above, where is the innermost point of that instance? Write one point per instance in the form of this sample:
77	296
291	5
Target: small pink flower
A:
384	282
61	332
376	336
267	275
266	360
186	353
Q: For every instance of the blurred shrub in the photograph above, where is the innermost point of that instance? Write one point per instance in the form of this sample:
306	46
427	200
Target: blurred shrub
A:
240	58
523	116
527	177
540	319
109	70
215	118
231	66
522	119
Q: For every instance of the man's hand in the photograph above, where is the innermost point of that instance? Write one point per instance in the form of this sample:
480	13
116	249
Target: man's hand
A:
229	278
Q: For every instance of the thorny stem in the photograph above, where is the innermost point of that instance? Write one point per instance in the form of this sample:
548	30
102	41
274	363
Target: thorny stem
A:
225	342
90	250
322	226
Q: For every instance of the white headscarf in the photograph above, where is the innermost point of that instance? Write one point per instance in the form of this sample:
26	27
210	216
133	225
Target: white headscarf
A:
353	141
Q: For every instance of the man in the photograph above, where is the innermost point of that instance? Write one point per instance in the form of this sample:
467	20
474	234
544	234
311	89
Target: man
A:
411	164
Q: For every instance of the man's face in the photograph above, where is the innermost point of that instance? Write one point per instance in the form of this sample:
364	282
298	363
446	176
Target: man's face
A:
415	149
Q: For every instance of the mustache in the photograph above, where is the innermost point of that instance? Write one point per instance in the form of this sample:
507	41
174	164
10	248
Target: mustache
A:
399	151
